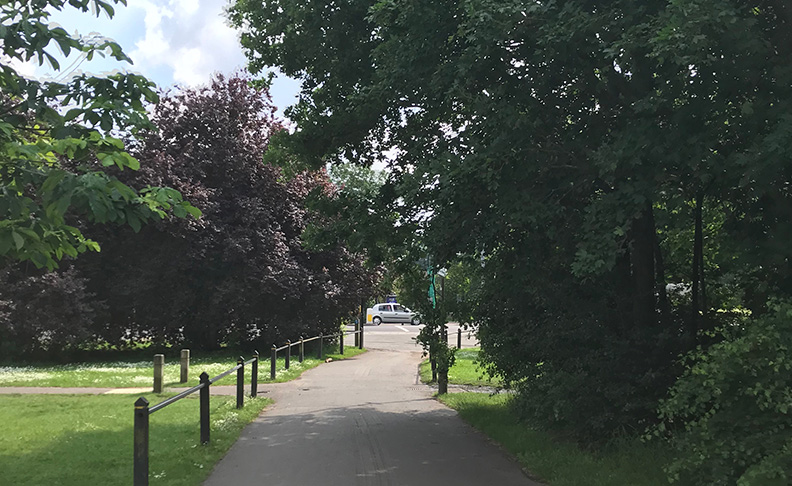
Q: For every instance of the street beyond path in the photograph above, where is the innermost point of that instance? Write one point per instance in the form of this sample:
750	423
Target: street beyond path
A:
364	421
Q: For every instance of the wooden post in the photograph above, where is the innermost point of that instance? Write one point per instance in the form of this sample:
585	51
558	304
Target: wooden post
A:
254	375
357	335
141	443
341	342
185	366
240	382
288	353
321	346
204	412
459	338
159	362
302	349
273	360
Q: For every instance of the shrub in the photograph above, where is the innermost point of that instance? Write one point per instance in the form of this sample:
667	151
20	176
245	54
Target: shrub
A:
41	311
730	413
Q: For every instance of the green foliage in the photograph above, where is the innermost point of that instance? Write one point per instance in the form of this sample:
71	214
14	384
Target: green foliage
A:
352	212
52	132
619	171
730	412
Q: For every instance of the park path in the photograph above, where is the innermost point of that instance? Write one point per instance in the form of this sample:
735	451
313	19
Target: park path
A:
363	421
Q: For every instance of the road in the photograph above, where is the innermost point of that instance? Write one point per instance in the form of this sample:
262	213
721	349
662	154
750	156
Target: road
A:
364	421
395	337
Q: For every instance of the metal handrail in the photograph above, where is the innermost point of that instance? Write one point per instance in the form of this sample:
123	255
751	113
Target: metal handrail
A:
143	411
175	398
225	373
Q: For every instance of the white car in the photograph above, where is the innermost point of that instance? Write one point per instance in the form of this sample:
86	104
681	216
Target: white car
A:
391	312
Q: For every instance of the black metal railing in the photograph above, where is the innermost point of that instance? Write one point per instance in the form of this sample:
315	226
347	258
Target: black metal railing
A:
143	411
358	333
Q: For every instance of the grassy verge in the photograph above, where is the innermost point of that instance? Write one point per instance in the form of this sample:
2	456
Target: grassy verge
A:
554	462
464	372
77	440
115	374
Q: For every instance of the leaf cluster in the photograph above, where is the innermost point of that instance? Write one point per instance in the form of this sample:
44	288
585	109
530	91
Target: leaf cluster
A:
730	411
55	139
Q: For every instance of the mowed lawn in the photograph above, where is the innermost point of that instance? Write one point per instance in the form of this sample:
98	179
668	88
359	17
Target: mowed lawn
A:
118	374
87	440
557	462
466	370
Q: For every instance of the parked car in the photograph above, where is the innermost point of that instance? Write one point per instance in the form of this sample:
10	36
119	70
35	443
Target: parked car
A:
391	312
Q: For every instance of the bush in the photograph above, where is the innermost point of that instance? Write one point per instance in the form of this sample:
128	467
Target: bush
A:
730	414
41	311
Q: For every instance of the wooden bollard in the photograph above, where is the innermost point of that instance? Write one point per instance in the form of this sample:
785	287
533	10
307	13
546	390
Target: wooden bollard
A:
273	361
302	349
159	363
459	338
288	353
185	366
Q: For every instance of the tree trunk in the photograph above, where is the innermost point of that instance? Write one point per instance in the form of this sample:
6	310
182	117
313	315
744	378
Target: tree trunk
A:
660	281
697	297
442	381
643	270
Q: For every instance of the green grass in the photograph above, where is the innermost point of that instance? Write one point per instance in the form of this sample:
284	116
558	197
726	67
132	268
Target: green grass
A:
85	439
140	374
555	462
465	371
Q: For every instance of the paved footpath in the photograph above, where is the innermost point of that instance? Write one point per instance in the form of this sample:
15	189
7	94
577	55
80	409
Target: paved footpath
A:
363	421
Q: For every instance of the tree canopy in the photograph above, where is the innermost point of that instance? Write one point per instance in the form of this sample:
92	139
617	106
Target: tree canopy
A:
620	169
241	275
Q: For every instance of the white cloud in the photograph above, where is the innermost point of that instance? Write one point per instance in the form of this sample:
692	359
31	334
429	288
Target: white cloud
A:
181	41
24	69
188	37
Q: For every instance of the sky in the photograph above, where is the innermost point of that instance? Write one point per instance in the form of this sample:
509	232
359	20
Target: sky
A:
170	42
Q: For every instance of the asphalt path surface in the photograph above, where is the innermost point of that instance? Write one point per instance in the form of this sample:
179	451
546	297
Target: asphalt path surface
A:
365	421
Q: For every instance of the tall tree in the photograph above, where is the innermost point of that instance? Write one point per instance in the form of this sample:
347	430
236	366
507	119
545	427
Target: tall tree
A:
241	273
568	144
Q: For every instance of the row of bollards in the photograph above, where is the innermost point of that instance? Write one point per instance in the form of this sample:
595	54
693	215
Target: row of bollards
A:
159	365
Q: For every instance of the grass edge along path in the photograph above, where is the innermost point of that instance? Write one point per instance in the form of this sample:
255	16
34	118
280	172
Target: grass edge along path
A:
141	374
73	440
553	461
466	370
